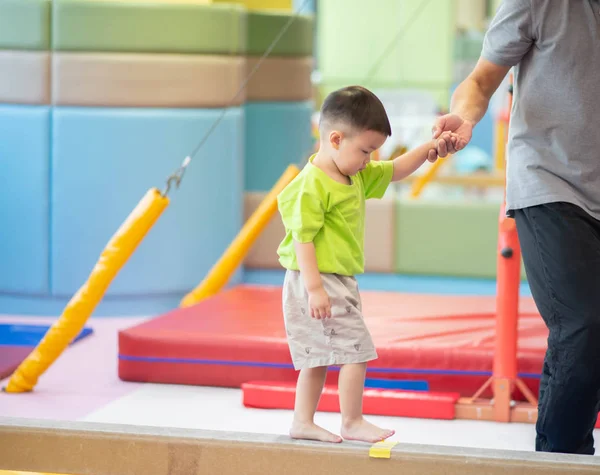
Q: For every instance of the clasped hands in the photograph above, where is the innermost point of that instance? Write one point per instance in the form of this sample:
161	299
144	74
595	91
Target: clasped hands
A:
454	132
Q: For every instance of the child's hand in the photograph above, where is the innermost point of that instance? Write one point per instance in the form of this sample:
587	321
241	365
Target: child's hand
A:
450	139
319	303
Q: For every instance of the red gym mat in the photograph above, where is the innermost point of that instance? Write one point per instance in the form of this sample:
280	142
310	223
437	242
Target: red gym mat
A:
238	336
380	402
11	357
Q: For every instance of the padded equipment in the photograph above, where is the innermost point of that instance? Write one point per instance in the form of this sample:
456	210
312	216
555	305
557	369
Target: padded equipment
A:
103	162
146	80
24	199
280	79
161	27
17	341
24	77
379	236
19	334
25	24
262	4
377	402
265	25
277	134
11	357
263	253
446	238
239	336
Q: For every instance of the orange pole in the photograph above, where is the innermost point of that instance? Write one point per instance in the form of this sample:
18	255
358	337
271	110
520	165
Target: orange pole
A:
505	377
507	304
507	309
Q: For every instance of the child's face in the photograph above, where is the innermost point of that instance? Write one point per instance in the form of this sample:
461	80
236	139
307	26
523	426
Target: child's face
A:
354	151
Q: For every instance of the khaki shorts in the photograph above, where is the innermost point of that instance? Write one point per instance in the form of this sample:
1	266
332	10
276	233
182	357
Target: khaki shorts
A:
342	339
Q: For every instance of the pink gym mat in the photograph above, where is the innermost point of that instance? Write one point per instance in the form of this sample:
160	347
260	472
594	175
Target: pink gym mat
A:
82	380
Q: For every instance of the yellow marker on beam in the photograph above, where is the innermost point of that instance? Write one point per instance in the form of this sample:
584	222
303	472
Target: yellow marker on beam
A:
382	450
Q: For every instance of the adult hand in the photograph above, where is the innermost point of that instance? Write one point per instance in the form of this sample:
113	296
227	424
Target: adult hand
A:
452	123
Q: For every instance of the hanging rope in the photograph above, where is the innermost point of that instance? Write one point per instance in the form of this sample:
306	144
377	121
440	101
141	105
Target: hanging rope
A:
223	269
174	180
176	177
396	39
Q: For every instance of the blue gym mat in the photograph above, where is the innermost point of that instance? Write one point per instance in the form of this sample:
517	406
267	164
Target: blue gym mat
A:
18	334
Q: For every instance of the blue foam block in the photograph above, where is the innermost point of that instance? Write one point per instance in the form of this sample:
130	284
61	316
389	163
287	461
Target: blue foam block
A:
104	161
407	385
109	307
30	335
420	284
24	208
277	134
483	134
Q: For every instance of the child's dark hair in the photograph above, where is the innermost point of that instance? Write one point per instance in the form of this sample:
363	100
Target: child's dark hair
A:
357	107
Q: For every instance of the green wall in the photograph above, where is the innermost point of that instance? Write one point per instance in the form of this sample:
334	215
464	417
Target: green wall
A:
353	34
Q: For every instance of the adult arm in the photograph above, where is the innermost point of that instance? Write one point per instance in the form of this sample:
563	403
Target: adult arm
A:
511	35
469	104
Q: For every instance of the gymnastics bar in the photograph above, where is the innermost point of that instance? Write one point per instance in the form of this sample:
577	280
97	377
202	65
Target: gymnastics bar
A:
86	448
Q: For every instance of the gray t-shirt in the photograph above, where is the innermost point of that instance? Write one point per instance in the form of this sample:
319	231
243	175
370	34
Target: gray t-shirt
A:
553	152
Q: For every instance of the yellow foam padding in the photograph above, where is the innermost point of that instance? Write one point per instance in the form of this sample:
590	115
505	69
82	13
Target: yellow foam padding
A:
382	450
25	77
236	252
192	2
285	5
423	180
280	79
146	80
114	256
379	236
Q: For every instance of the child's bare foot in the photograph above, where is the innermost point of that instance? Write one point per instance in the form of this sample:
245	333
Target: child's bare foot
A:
365	431
311	431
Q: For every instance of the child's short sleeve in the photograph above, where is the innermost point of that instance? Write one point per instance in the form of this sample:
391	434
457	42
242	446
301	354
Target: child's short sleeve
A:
376	178
302	212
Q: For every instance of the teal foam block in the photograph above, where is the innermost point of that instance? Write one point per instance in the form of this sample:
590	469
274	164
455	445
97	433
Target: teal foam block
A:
24	206
277	134
104	161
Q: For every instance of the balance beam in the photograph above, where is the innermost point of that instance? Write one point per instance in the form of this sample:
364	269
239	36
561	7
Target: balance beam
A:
86	448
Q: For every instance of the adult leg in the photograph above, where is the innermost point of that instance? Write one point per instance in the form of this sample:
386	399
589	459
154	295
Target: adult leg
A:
308	392
561	251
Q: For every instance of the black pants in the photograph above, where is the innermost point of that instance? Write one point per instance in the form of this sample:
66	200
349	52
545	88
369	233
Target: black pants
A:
561	251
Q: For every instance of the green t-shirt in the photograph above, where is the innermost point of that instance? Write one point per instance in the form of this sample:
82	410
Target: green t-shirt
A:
314	207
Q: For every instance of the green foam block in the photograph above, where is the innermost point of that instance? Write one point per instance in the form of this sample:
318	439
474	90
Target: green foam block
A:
264	26
451	239
25	24
113	26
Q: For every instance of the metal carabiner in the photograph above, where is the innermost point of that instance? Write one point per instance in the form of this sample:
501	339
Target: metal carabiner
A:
173	178
176	177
